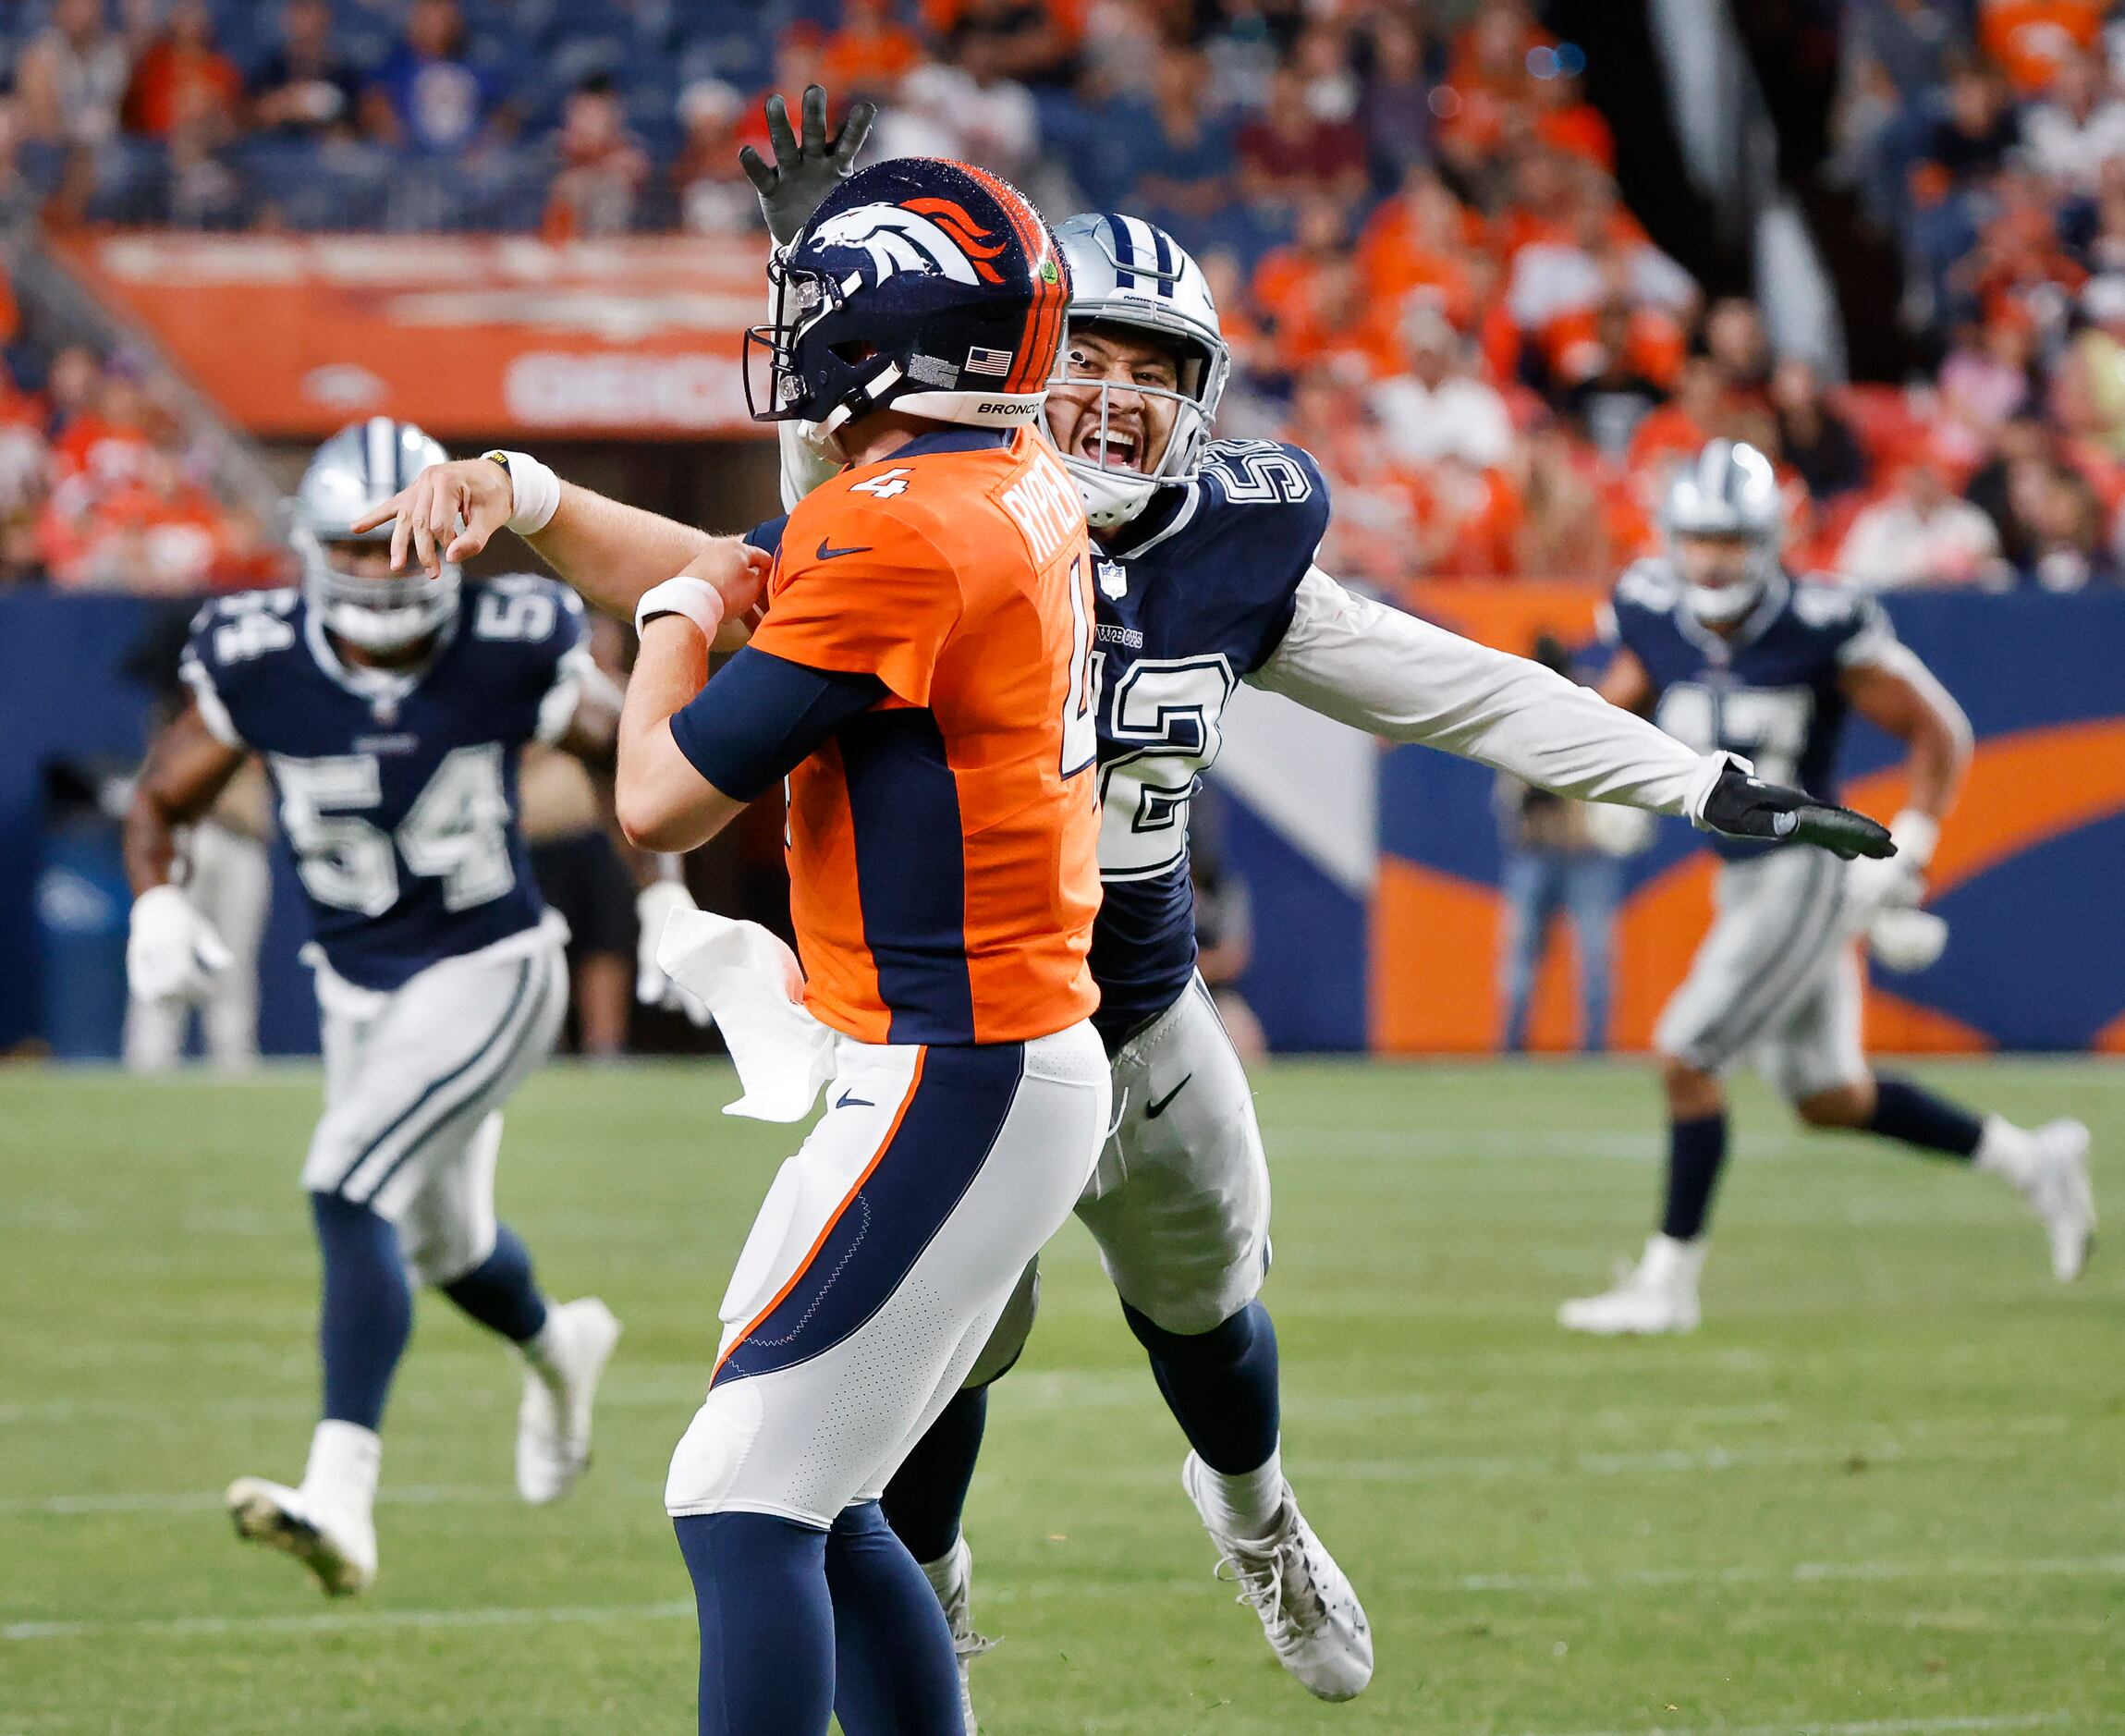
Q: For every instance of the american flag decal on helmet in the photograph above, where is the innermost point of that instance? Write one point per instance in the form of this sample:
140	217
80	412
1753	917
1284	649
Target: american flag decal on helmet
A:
991	361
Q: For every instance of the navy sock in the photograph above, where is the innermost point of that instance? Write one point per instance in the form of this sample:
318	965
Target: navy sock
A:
367	1311
500	1293
928	1492
1696	1153
1220	1386
1914	1115
766	1626
894	1669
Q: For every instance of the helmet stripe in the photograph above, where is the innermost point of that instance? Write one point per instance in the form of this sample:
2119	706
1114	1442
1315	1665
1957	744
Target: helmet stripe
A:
1044	319
380	460
1124	250
1167	274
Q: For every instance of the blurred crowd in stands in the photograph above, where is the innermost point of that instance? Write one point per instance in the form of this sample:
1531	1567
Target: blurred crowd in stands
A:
101	486
1407	211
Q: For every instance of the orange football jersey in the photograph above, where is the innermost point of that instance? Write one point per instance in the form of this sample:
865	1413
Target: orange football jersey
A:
943	863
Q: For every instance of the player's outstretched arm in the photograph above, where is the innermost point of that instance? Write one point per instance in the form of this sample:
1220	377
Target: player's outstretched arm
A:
610	552
1378	669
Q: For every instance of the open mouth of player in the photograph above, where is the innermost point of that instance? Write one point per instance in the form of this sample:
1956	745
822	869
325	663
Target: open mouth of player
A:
1117	449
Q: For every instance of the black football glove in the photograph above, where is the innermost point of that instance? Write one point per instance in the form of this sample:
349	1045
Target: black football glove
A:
802	174
1742	806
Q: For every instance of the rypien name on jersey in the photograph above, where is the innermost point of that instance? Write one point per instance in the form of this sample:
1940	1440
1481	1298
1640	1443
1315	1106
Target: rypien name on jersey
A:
396	790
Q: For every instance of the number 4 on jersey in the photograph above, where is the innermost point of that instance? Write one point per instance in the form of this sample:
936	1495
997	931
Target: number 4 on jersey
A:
884	485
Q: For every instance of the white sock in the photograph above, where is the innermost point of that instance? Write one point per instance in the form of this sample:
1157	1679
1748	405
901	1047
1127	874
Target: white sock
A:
344	1462
947	1574
2007	1150
1245	1504
542	1350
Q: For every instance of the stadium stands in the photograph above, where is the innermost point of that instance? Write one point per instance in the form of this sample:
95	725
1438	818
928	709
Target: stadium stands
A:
1410	213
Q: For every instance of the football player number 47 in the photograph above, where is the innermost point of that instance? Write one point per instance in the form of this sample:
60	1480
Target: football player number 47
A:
457	830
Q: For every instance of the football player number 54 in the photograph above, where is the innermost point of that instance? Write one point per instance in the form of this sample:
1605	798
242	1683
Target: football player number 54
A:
457	830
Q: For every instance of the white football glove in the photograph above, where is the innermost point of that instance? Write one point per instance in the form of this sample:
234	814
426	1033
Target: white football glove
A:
1875	884
1906	939
1883	897
653	905
172	952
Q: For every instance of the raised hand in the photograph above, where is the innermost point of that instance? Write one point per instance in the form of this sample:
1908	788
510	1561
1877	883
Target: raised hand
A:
425	517
805	170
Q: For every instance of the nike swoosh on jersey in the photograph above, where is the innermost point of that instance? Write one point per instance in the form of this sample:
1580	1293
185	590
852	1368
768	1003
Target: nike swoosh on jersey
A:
1158	1106
849	1100
835	554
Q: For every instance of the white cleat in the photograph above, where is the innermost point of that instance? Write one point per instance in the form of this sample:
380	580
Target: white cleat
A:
553	1421
1311	1616
339	1548
1658	1294
958	1600
2060	1194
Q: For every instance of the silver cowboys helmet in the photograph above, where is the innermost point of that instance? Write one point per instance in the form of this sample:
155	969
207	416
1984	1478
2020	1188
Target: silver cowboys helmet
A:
1125	272
352	474
1728	490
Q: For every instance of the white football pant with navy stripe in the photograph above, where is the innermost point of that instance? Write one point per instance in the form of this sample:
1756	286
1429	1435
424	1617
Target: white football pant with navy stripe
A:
881	1259
1776	981
414	1082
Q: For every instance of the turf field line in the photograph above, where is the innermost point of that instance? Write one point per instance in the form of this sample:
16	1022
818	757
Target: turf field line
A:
1803	1573
1026	1590
1850	1455
207	1500
342	1621
1865	1727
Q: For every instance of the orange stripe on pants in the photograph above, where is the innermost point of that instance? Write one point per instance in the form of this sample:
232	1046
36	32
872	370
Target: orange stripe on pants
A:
826	1230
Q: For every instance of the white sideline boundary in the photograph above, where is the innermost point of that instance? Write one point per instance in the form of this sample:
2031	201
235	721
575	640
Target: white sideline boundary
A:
564	1615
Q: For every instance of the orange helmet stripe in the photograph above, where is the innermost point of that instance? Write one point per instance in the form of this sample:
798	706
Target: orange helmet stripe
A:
1044	319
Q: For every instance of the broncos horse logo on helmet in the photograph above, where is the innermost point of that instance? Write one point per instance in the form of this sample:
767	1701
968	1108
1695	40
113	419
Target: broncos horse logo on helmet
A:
922	234
930	286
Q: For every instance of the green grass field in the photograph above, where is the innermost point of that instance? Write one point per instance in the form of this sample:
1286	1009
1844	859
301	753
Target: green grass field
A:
1882	1489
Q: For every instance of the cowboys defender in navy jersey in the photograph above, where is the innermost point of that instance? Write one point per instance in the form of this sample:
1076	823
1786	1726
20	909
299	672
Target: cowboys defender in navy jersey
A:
390	713
1727	651
1203	562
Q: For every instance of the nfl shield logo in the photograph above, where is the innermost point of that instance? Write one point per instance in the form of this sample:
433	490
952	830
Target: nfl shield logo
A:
1112	581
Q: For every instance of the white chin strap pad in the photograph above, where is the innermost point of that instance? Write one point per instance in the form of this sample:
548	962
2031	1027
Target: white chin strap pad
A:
1109	499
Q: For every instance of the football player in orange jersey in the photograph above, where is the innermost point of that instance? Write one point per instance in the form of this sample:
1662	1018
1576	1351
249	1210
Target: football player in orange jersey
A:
920	679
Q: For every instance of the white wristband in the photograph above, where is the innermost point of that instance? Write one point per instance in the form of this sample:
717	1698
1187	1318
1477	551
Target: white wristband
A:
696	599
534	492
1916	836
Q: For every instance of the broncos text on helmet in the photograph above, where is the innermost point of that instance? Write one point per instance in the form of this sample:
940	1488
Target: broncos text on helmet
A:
353	473
922	285
1729	490
1126	272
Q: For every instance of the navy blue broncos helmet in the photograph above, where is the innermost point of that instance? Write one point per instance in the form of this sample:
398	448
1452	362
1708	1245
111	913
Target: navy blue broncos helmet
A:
924	285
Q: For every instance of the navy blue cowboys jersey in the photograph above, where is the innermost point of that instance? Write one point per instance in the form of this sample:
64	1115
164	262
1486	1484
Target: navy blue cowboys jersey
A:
1772	693
1194	594
397	792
